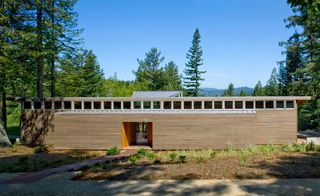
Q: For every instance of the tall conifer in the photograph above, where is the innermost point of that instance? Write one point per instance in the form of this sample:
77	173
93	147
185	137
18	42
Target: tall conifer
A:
192	71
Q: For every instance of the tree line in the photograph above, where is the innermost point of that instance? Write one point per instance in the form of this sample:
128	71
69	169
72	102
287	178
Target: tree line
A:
299	73
42	55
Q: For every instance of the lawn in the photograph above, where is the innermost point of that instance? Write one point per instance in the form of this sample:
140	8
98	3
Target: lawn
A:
261	162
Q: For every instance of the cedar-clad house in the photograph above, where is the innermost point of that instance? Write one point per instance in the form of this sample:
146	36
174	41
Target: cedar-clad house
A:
160	120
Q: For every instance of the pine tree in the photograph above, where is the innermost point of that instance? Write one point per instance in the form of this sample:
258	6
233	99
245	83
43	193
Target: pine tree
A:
80	75
39	46
230	90
192	71
16	69
172	77
149	71
272	87
242	93
303	52
258	90
62	34
91	75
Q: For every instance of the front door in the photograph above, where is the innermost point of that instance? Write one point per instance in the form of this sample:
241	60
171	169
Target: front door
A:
142	133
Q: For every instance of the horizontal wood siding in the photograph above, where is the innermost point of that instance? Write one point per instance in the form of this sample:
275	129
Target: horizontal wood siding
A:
176	131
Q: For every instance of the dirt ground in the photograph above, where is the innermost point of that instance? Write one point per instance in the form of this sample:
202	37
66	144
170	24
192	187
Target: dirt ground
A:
23	159
279	165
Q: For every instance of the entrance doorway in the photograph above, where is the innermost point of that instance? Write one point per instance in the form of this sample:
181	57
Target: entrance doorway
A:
136	134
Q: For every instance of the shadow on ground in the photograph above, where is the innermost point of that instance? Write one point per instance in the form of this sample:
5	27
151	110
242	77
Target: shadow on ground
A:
296	165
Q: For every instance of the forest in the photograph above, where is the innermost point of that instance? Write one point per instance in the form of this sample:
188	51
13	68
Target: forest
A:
42	55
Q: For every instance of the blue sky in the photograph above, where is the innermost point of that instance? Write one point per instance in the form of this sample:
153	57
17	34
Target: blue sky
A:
240	38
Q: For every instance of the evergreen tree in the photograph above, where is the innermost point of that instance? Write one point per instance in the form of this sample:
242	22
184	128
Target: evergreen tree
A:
229	91
258	90
225	93
15	67
91	75
304	48
80	75
283	80
61	34
192	71
172	77
242	93
272	87
149	71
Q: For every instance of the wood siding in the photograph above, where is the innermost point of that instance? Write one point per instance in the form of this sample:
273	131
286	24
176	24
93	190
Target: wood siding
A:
175	131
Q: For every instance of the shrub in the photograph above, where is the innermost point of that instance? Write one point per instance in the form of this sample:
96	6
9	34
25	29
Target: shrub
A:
299	147
133	159
157	160
151	156
40	149
213	154
182	158
173	156
112	151
310	147
142	152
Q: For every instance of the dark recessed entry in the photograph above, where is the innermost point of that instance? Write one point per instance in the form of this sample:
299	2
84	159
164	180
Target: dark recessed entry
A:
137	133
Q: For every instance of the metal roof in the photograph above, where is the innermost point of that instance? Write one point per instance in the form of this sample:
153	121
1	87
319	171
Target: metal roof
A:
156	94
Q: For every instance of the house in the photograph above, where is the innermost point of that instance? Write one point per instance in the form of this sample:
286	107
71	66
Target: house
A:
159	121
156	94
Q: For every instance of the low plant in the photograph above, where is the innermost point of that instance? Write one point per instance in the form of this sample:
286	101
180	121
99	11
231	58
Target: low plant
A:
243	161
200	159
95	168
310	147
104	165
250	148
230	151
287	148
213	154
112	151
133	159
173	156
14	147
182	158
142	152
271	148
299	147
157	160
40	149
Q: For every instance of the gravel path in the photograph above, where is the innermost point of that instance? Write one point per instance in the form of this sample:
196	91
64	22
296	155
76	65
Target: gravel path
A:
60	184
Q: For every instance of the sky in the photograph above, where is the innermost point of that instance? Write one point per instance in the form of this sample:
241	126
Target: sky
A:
239	38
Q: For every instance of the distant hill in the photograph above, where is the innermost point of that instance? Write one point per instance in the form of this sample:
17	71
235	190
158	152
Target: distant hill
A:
214	92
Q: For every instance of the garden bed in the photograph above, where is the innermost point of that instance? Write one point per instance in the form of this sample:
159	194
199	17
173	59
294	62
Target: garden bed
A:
288	161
